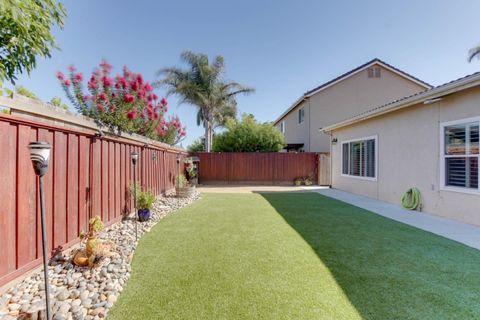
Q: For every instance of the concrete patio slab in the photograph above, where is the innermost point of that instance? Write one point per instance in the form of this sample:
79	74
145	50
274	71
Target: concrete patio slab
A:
451	229
253	189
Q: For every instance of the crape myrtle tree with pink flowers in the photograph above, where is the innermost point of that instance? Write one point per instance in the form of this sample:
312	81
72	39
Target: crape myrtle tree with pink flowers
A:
124	103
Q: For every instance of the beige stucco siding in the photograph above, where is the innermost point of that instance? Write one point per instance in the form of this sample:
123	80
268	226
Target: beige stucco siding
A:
297	132
354	94
408	155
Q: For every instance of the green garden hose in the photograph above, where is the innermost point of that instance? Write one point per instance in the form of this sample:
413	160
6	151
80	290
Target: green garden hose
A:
411	199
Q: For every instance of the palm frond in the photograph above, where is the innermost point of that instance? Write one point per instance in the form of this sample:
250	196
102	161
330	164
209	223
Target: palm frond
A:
201	84
474	52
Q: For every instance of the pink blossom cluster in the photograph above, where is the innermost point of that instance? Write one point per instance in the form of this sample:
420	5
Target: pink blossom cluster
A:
174	126
126	102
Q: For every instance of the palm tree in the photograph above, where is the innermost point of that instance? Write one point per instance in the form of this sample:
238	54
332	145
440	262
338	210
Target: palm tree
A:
474	52
202	85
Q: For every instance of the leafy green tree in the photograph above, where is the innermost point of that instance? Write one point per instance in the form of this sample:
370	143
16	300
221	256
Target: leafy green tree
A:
474	52
57	102
249	135
197	146
5	91
21	90
203	85
25	34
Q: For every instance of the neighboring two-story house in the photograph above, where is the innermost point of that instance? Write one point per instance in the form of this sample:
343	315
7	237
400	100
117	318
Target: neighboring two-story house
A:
373	83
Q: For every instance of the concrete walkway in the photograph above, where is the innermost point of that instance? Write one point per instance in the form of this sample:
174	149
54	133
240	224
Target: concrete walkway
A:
254	189
451	229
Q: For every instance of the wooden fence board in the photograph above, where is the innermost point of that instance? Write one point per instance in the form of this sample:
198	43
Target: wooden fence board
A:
8	135
26	198
72	187
84	193
117	209
111	180
59	190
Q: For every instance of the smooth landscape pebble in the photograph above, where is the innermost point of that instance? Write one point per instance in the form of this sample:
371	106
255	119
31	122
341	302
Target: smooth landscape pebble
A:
82	293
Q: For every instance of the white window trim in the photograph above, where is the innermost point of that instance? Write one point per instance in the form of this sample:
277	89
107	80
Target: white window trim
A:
443	186
375	137
282	127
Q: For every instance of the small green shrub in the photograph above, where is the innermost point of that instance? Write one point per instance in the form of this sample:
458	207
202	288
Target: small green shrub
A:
181	181
146	199
135	189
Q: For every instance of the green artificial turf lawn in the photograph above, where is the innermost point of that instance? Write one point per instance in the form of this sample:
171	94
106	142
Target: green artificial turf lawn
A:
296	256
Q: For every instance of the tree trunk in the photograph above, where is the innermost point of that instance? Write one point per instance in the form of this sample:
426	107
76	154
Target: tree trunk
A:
207	118
207	137
211	137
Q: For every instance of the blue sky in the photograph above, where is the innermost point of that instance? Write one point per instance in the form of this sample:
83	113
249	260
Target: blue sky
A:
282	48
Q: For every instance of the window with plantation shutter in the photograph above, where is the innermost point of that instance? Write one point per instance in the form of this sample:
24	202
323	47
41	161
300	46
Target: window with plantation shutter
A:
460	155
359	158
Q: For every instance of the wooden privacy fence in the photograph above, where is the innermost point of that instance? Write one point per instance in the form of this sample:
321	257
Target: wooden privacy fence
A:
88	176
267	168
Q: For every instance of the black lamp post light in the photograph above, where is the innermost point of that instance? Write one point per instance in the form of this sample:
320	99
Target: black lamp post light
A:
39	154
135	156
178	173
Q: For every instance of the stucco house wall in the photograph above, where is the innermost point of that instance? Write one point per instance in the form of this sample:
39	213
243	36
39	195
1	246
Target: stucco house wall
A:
349	96
353	96
297	132
408	154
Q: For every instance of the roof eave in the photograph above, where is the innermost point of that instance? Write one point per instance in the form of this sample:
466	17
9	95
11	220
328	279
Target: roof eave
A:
434	93
366	66
347	75
296	103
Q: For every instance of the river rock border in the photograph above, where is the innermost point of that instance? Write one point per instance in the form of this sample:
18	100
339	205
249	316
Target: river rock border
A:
83	293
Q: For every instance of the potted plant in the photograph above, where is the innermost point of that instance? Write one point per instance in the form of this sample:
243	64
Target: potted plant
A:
146	199
298	181
95	226
183	188
308	181
87	256
191	170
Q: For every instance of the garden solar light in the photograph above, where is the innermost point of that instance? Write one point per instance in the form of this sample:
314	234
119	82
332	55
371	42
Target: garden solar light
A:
134	157
39	154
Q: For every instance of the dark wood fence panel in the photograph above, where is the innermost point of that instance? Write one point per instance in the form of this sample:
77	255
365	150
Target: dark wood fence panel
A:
87	176
256	167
